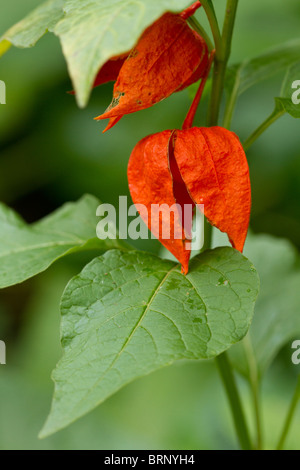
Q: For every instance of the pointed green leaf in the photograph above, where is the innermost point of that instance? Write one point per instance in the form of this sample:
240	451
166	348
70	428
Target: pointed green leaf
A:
27	32
242	76
93	31
26	250
128	314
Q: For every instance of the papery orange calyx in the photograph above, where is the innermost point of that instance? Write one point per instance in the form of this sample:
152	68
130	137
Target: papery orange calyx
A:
191	10
214	167
168	57
110	70
151	185
193	166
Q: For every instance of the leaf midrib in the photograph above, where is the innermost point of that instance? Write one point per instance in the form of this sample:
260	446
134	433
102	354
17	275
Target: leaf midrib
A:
137	325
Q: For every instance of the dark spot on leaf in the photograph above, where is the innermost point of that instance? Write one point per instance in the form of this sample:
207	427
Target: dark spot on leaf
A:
197	320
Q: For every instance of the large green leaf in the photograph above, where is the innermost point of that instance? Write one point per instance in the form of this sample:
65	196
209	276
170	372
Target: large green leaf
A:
28	31
128	314
26	250
93	31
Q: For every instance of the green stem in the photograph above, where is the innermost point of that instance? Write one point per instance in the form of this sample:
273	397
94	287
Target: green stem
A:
254	382
216	94
188	122
207	235
200	30
288	422
223	50
234	400
263	127
211	15
227	33
230	105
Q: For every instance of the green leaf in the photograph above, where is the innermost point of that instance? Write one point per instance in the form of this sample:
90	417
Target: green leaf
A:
288	102
27	32
26	250
128	314
93	31
276	320
242	76
289	92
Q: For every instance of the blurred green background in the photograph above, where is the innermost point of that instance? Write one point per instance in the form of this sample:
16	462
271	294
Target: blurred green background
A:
52	152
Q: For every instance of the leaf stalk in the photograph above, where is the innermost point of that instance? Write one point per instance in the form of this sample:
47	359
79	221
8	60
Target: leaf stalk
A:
290	415
231	389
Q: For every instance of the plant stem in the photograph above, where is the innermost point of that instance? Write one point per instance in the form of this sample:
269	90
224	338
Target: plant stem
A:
218	76
288	422
230	106
223	50
234	400
254	382
227	33
216	94
188	122
207	235
263	127
211	15
201	31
